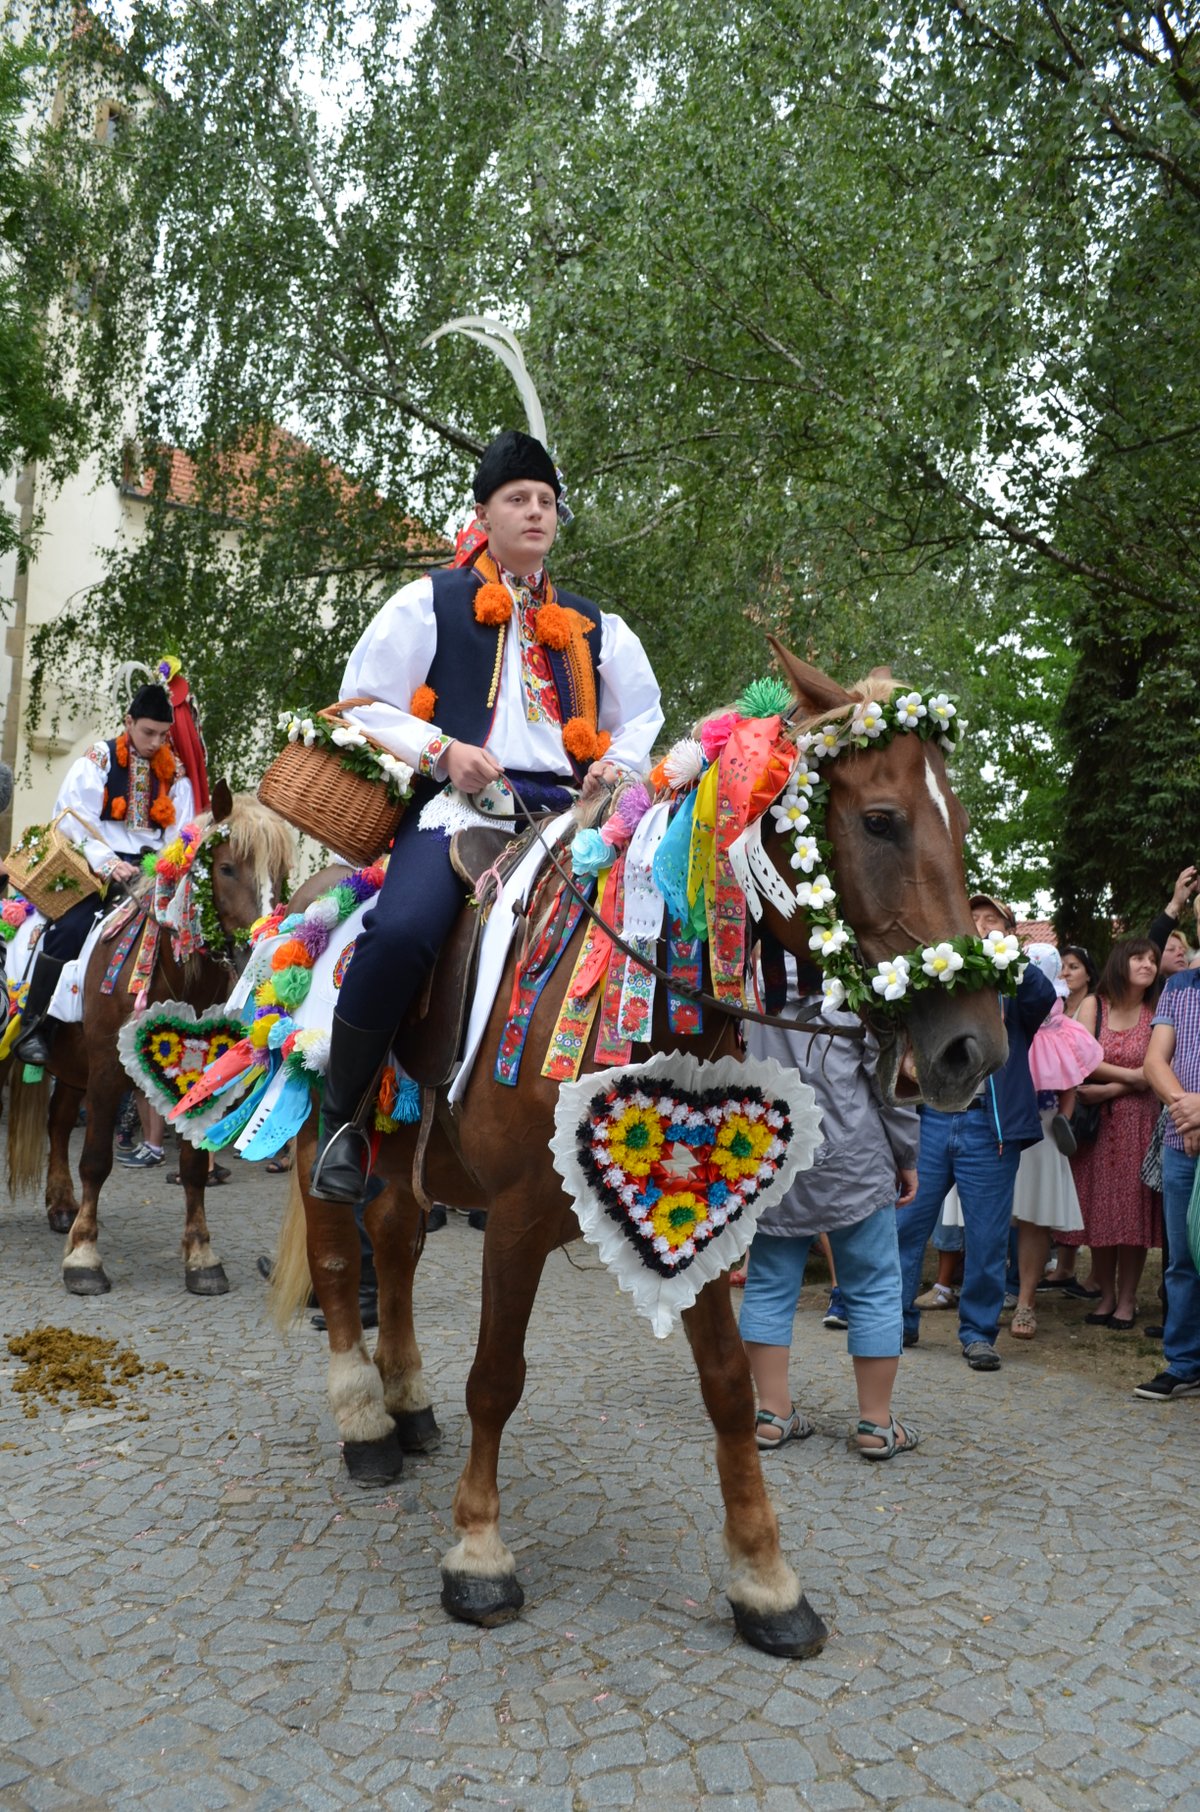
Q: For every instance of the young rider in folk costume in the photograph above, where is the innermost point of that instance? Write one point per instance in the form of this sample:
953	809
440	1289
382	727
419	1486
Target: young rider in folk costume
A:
481	670
134	790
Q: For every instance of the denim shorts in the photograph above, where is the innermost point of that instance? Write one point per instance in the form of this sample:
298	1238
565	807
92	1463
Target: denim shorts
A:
867	1258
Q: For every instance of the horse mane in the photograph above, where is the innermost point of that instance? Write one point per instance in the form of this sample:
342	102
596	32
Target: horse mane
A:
257	835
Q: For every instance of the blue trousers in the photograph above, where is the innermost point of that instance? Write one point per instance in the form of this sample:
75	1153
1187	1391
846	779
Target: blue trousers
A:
1181	1328
868	1274
962	1149
413	915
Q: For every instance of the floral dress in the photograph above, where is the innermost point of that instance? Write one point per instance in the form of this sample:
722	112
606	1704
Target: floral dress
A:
1118	1209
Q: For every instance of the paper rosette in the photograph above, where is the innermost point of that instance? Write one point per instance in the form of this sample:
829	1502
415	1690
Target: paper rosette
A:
670	1164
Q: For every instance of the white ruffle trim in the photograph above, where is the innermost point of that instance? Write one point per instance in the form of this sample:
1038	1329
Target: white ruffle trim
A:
662	1299
450	811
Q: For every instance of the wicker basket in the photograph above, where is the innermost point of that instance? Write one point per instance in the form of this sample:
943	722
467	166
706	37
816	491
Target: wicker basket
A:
56	881
315	793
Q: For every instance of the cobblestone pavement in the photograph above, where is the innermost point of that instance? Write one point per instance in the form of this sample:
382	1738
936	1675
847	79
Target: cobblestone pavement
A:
200	1611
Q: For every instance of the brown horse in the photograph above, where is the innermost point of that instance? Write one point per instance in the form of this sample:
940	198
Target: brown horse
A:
897	831
250	861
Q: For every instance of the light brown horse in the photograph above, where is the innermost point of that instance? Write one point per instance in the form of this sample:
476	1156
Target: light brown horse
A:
897	832
250	867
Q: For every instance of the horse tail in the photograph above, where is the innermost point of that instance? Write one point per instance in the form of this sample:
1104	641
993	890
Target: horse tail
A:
290	1277
28	1116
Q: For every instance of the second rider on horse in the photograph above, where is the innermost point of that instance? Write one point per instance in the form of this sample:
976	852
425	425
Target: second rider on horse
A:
480	671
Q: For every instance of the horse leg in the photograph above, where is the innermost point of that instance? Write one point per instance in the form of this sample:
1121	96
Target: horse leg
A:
769	1609
393	1223
370	1445
61	1205
203	1272
82	1272
479	1575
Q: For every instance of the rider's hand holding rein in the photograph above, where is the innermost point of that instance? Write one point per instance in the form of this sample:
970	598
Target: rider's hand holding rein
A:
470	768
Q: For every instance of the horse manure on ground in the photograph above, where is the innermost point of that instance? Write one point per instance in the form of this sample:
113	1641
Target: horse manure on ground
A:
59	1363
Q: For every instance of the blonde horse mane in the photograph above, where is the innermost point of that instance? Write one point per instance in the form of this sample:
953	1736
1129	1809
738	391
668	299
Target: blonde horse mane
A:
257	835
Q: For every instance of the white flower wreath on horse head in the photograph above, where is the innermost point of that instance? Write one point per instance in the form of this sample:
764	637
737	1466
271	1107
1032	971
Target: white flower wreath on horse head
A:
799	812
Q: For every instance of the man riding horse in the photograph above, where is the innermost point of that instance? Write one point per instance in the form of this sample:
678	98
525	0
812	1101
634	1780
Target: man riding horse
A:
136	793
566	699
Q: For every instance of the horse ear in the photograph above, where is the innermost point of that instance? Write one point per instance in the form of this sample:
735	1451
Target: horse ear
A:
880	673
222	801
812	687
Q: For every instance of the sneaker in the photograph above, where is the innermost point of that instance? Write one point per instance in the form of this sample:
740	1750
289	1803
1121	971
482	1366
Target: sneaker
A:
1063	1137
1010	1301
1166	1387
144	1158
937	1296
835	1314
984	1358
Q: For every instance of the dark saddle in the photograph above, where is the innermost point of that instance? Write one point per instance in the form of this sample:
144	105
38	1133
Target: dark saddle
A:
429	1041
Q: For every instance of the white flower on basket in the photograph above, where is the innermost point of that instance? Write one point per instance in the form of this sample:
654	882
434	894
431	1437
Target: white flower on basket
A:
941	961
347	737
909	710
806	853
396	770
941	709
892	979
308	731
1002	949
293	729
827	940
868	721
833	992
790	812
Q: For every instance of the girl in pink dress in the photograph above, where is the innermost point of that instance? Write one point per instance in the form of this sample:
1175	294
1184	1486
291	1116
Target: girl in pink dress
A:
1122	1218
1062	1051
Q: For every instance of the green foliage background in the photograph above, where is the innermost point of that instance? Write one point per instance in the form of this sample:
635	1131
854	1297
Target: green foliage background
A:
873	325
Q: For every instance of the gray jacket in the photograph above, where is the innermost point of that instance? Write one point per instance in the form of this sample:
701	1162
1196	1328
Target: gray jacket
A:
866	1142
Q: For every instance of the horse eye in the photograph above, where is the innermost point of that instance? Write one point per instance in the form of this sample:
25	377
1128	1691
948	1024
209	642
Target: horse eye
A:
879	824
228	870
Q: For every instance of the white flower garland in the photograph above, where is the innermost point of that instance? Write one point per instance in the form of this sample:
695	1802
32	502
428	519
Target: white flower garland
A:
357	751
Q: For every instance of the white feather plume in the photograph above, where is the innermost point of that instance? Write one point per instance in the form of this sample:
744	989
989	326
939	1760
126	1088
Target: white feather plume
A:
485	330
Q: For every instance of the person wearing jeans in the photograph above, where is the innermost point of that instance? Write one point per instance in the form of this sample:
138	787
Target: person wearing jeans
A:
978	1151
1172	1068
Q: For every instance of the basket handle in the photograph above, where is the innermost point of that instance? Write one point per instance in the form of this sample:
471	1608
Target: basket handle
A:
87	825
333	715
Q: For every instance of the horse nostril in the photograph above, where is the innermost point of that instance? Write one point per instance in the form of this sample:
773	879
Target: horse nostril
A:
962	1056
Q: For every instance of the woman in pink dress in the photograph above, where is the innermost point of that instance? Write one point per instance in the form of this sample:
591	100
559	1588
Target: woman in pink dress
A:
1122	1218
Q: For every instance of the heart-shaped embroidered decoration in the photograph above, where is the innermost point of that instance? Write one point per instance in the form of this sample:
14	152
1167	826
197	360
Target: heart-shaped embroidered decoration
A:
671	1162
167	1048
673	1166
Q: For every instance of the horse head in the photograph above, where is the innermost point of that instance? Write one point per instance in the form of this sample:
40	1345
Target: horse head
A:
897	833
250	852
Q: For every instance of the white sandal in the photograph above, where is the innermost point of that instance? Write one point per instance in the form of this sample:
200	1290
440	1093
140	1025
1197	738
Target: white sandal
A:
793	1427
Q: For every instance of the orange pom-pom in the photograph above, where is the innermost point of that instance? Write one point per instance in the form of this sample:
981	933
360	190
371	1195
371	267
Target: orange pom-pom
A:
292	955
164	763
552	626
162	812
603	745
119	809
122	750
493	605
579	739
424	703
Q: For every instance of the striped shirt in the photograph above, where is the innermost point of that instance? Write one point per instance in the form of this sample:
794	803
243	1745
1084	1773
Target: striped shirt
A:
1179	1006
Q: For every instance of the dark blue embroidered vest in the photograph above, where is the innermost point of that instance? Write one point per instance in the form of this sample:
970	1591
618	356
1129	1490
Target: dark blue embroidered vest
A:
465	673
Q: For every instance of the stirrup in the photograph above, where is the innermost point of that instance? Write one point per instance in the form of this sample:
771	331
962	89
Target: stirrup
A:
338	1189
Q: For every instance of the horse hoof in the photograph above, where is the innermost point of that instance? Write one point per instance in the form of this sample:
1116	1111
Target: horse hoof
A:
84	1280
374	1462
483	1601
798	1633
418	1430
60	1219
206	1280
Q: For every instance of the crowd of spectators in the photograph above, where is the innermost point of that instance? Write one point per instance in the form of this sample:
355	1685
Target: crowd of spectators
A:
1086	1139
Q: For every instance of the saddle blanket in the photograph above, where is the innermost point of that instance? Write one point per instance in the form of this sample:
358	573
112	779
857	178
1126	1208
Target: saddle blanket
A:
67	1004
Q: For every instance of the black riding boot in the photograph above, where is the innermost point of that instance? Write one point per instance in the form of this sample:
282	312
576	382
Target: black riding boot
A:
37	1028
343	1161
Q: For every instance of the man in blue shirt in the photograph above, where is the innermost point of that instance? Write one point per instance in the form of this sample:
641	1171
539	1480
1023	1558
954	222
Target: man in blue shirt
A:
978	1151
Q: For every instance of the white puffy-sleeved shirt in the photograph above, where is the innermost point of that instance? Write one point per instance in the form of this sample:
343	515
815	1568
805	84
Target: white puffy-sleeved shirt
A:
83	791
394	656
